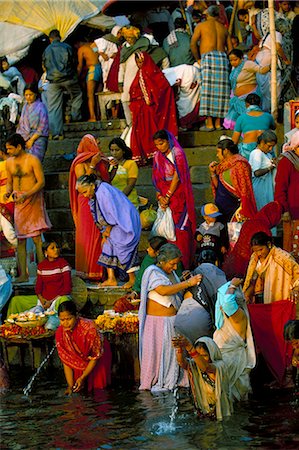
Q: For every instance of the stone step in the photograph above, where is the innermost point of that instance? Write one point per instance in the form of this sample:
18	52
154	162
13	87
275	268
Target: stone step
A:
201	138
98	127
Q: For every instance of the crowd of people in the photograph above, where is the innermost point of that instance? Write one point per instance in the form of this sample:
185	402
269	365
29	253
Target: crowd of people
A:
196	328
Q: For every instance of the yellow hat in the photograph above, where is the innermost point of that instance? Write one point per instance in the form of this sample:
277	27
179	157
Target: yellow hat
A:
211	210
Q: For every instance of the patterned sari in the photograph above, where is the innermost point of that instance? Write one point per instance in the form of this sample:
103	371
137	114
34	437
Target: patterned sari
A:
182	200
82	344
88	237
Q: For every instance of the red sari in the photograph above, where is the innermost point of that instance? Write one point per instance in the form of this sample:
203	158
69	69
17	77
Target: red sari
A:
153	108
88	237
78	346
182	201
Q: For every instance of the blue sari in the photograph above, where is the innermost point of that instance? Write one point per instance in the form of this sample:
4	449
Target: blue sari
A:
111	207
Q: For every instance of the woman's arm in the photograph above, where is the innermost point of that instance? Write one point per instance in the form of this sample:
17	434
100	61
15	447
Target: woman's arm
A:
130	186
261	172
236	137
79	382
164	200
175	288
69	376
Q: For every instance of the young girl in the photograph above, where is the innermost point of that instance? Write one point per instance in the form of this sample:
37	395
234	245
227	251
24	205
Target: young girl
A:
53	284
84	352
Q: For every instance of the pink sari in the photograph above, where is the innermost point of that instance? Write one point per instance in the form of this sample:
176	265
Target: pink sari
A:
77	347
88	237
182	200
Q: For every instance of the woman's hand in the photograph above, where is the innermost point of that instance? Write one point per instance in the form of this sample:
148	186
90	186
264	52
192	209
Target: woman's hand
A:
180	342
29	143
195	280
78	384
68	391
96	159
113	162
236	282
163	202
212	167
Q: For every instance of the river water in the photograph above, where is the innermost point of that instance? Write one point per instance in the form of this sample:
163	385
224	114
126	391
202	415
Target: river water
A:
124	418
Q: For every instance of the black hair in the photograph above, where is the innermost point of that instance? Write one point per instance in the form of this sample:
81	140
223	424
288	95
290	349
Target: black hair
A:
156	242
242	12
161	134
229	145
179	23
86	179
3	59
54	34
236	52
213	11
46	244
260	238
33	87
67	306
253	99
15	140
128	154
267	136
202	345
291	330
207	256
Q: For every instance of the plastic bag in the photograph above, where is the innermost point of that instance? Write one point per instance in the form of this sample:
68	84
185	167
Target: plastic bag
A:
147	218
164	225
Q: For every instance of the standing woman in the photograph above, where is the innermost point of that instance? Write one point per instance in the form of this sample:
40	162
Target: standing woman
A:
126	174
171	179
84	352
243	82
34	123
89	160
160	301
262	167
120	226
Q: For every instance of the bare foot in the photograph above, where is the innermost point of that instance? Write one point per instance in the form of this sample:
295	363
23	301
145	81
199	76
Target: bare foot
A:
108	282
21	280
128	285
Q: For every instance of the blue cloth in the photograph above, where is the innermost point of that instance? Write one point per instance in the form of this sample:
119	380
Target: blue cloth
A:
228	304
5	288
245	122
111	207
58	59
245	148
263	187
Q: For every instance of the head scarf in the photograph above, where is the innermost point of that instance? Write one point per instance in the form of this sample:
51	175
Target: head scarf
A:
293	143
214	351
227	302
115	30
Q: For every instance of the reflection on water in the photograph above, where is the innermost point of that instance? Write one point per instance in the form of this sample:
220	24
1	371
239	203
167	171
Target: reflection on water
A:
125	418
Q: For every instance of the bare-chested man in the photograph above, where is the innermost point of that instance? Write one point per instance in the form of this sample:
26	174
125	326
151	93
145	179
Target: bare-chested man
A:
94	74
25	181
213	40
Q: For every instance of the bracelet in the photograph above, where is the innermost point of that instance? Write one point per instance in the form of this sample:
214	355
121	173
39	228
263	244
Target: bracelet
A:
92	167
168	194
188	283
232	286
193	354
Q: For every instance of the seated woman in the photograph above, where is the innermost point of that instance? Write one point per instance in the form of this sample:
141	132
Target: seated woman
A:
120	226
160	301
84	352
251	124
53	284
271	284
263	169
126	174
13	75
234	337
243	82
208	376
34	122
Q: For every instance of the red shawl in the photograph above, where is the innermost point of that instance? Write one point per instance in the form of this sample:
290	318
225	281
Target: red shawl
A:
87	148
77	347
112	79
153	108
237	261
240	173
267	322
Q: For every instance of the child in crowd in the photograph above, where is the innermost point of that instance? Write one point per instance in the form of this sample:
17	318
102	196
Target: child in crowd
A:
290	133
211	234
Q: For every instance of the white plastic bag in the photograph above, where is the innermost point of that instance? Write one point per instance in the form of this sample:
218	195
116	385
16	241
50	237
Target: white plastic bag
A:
164	225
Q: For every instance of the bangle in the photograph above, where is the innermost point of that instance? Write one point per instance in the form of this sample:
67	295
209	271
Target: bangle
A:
168	194
92	167
232	286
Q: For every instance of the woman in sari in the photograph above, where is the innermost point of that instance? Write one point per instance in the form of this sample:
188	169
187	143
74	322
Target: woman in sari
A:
243	82
119	222
89	159
152	106
208	375
271	287
231	183
160	301
34	123
171	179
84	352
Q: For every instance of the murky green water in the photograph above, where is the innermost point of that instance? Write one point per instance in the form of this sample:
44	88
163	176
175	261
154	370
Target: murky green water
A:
124	418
